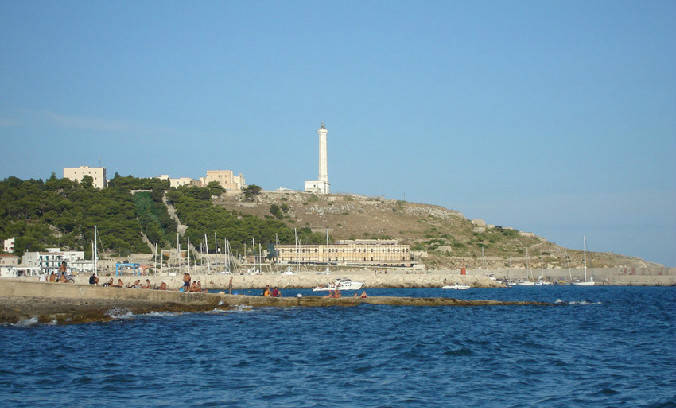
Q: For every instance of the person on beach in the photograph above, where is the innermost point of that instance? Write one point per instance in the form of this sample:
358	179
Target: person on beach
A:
186	282
199	287
276	292
163	286
193	287
52	277
266	292
147	285
109	283
120	284
62	269
93	280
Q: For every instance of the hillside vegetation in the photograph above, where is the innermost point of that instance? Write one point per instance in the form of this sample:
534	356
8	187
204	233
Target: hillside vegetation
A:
63	213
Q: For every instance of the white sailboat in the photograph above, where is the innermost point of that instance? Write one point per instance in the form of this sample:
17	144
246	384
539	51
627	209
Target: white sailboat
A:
586	282
527	282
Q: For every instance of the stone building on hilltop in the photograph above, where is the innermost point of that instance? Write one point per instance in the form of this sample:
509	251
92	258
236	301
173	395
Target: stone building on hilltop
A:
98	174
226	178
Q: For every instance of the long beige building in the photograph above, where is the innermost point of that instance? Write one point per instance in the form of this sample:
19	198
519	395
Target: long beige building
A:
98	174
348	252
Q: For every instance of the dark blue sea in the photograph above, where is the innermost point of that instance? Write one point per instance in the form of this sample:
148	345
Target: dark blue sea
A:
602	347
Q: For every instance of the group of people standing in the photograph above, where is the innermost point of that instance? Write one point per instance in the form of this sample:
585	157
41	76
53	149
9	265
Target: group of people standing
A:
274	293
189	285
62	275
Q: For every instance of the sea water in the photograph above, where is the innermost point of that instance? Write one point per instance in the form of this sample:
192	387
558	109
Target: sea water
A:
601	346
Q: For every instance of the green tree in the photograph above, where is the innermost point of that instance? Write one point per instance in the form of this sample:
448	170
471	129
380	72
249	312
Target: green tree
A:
276	211
87	182
251	191
215	188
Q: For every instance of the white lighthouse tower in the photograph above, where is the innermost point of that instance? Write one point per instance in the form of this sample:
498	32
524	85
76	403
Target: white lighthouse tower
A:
323	160
321	186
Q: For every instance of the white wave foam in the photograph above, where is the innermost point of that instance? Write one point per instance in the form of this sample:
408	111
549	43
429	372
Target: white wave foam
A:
116	313
161	314
235	309
576	302
27	322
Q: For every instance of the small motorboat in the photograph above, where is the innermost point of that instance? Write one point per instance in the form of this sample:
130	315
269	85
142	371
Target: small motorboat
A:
340	284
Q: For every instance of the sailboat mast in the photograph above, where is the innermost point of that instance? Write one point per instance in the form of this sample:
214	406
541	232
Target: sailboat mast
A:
295	234
94	255
527	263
585	258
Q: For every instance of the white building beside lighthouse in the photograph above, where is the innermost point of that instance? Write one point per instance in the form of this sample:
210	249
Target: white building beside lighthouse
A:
320	186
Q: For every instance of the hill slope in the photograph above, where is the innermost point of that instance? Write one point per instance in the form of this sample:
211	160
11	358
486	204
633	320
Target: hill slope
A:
440	237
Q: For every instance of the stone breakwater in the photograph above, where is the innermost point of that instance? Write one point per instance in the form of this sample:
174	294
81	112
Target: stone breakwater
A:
370	278
68	303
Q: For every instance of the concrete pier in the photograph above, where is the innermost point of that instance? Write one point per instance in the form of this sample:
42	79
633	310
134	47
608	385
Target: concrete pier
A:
69	303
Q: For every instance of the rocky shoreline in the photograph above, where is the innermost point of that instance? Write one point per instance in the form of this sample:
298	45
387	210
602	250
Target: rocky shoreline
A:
63	303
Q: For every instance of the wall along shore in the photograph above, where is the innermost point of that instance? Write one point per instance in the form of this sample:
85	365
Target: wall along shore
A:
404	278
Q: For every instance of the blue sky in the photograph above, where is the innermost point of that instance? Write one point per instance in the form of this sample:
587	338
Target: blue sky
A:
555	117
